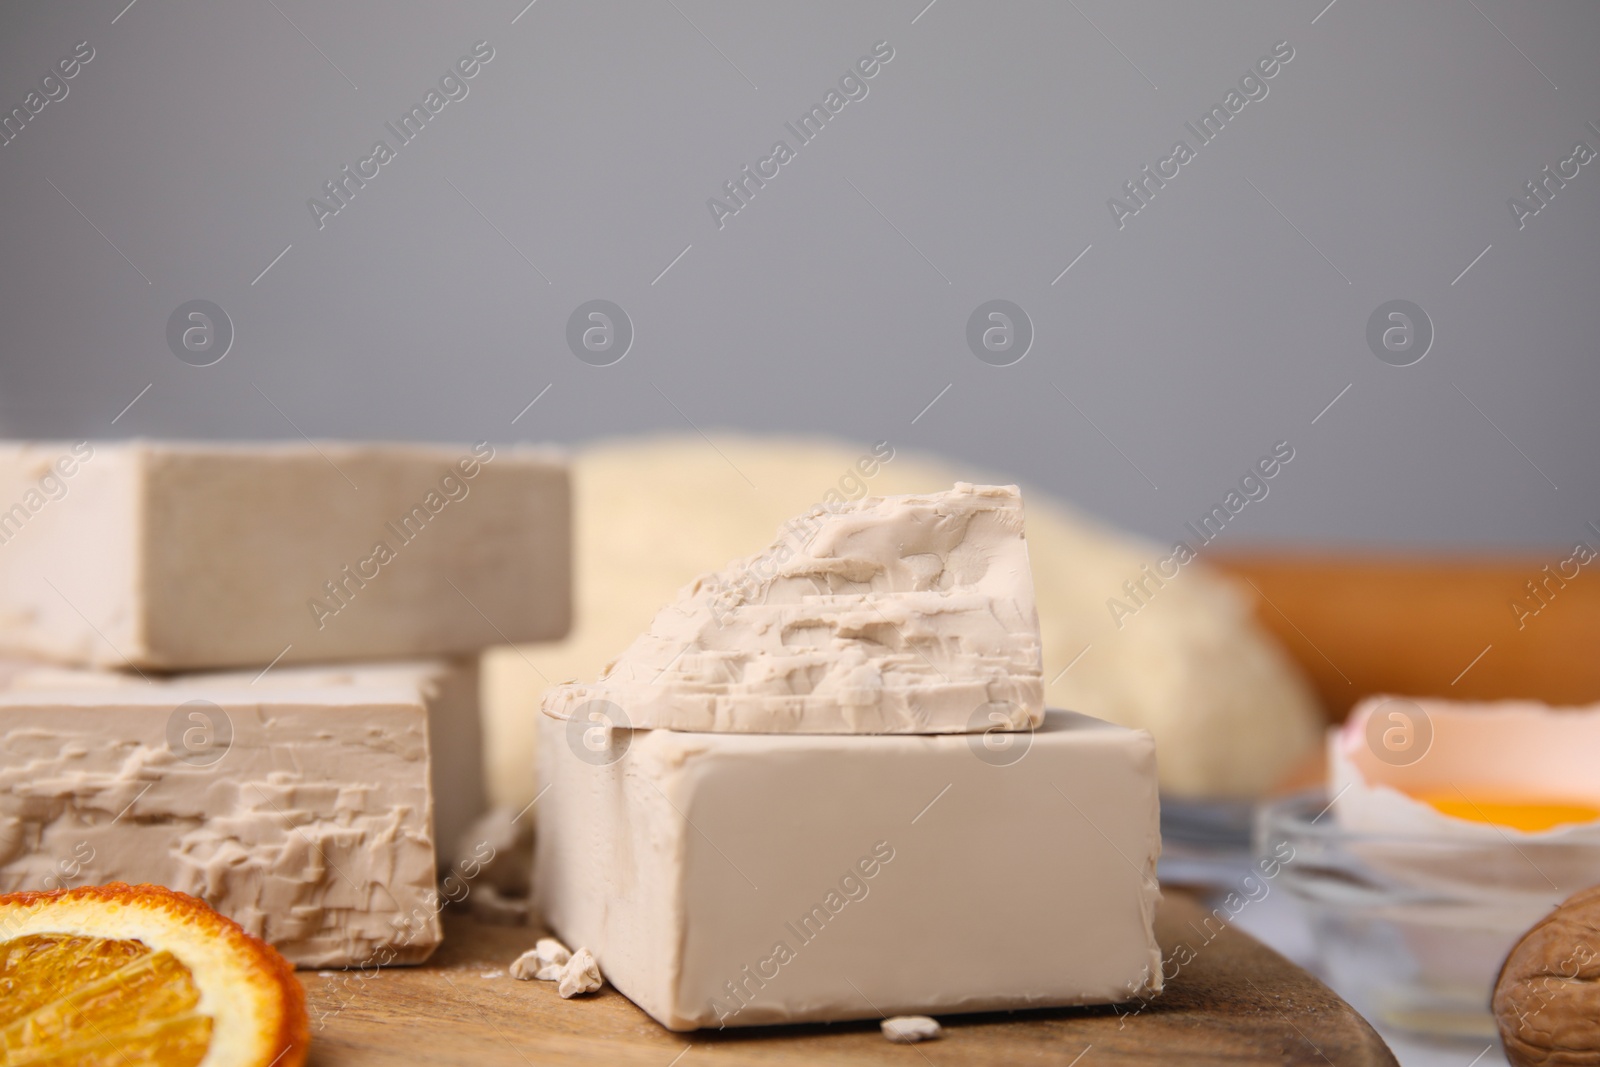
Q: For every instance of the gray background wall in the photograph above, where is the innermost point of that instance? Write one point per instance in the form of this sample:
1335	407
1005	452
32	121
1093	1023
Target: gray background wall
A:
1224	317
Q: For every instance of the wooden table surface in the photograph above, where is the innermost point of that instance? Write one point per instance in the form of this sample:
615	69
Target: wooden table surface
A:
1237	1003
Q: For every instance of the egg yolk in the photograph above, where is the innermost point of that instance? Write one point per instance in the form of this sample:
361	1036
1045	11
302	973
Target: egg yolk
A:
1529	816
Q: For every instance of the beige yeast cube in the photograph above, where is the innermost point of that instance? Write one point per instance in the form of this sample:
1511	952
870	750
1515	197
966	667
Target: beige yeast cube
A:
303	816
727	879
179	556
447	688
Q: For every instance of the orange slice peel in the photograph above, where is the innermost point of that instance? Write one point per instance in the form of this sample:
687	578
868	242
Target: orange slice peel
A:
135	975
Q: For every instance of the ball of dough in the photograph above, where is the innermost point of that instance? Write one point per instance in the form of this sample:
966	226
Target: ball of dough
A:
1229	712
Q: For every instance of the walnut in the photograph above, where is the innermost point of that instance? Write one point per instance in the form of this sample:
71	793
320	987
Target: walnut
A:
1547	998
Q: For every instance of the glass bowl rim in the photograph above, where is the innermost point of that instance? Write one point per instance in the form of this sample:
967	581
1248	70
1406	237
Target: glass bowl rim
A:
1297	817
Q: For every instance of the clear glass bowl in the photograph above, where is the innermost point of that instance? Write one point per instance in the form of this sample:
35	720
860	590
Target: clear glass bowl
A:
1412	930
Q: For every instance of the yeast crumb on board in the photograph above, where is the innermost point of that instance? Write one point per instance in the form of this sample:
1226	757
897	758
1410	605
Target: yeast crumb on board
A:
910	1029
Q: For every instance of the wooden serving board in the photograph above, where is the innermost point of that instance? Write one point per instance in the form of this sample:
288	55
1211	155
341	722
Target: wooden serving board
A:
1237	1003
1356	624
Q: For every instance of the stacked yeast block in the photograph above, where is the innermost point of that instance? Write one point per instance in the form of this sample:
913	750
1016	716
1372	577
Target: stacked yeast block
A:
822	786
447	689
305	790
188	556
301	814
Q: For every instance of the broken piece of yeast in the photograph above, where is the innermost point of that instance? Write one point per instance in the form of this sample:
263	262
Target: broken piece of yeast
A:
184	556
909	614
303	815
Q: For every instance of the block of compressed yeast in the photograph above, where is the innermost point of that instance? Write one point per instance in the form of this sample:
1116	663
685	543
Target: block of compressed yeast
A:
909	614
447	688
727	879
303	816
181	556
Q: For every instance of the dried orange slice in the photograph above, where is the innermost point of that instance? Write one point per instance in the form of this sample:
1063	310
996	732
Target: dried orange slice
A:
127	976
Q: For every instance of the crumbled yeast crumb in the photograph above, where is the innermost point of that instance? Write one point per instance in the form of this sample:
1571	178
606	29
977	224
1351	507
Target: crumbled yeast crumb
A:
552	951
544	961
580	975
909	1029
526	966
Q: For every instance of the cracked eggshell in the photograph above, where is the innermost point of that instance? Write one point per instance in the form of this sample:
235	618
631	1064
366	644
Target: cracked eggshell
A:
1395	754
